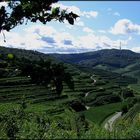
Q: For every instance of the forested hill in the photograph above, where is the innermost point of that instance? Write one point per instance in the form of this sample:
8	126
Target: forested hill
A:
107	57
28	54
110	57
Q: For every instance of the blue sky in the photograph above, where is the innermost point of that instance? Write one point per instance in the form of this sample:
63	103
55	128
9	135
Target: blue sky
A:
102	25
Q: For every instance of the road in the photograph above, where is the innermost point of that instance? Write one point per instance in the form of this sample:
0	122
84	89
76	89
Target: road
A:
109	124
94	81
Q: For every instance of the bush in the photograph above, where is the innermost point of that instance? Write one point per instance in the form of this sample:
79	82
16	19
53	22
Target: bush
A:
77	105
124	109
19	124
3	64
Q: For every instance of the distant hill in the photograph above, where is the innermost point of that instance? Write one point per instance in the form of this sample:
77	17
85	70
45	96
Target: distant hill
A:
112	57
29	54
125	62
7	66
107	57
122	61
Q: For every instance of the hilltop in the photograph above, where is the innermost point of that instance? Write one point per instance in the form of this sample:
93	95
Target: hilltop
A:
121	61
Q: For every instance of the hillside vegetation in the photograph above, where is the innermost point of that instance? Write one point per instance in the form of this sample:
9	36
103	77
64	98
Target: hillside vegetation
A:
37	97
122	61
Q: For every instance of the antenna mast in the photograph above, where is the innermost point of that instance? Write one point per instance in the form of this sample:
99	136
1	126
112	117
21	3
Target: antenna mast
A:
120	45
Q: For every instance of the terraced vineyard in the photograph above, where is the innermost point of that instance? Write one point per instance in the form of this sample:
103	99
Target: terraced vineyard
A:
94	88
13	89
131	114
22	87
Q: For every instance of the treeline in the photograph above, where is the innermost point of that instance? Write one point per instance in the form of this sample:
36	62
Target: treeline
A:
22	53
110	58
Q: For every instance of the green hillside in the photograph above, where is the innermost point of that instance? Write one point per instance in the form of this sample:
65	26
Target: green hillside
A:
124	62
98	93
113	58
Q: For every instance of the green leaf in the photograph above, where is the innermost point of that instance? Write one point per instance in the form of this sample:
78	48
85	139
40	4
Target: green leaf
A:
55	11
71	20
74	15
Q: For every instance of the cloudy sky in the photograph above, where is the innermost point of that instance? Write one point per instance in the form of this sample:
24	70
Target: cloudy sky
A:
102	25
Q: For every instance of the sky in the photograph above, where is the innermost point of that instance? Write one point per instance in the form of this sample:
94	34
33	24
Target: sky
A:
101	25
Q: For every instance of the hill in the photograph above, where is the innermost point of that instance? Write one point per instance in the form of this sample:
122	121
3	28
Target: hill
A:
97	94
28	54
121	61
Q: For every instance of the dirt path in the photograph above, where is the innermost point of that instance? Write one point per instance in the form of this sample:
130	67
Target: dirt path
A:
109	124
94	81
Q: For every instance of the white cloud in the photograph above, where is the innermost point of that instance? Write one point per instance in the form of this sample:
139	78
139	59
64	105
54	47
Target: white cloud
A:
37	37
116	14
41	30
88	30
102	31
125	26
89	14
136	49
93	42
5	4
74	9
47	39
109	9
79	23
77	10
111	12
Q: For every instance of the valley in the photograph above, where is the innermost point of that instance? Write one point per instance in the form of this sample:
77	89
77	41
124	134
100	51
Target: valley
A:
101	87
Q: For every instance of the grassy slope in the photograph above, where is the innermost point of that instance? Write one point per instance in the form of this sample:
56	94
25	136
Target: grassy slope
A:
136	87
98	114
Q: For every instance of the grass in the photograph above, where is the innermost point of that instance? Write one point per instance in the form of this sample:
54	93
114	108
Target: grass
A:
42	99
5	107
131	114
100	113
36	108
135	87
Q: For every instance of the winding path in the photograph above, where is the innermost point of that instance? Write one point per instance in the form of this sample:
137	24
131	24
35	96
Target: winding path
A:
109	124
94	81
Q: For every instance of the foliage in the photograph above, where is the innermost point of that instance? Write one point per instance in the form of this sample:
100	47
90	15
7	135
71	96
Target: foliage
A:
44	73
23	11
19	124
125	93
36	65
53	122
108	59
132	111
77	105
10	56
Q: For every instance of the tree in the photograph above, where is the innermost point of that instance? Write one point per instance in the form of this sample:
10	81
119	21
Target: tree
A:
23	11
44	73
59	75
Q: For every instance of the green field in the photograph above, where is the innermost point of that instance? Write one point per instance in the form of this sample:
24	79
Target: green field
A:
99	114
136	87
